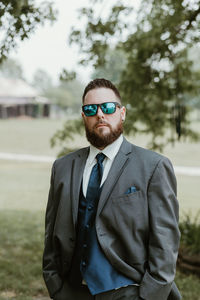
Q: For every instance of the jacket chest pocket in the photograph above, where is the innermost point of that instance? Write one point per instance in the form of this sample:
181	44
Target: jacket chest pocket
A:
134	196
128	211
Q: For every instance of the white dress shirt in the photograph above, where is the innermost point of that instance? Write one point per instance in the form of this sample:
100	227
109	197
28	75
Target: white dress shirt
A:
110	152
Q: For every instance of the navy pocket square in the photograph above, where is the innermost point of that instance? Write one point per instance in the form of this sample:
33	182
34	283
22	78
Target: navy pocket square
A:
130	190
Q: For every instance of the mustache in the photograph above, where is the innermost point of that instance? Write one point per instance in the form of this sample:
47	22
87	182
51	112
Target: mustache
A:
101	122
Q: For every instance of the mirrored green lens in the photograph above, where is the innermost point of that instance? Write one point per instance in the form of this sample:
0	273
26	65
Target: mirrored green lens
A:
108	107
90	110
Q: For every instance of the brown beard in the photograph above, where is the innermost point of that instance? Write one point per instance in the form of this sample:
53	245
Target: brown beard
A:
101	141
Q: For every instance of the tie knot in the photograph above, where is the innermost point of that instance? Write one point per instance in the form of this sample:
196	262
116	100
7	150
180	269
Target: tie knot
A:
100	157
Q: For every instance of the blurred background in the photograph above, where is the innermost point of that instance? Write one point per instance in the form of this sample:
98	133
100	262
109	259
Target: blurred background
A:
49	51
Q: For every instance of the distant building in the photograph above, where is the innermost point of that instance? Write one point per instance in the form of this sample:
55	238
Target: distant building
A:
17	98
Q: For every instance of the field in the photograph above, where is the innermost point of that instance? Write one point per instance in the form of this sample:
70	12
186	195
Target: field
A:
32	137
24	187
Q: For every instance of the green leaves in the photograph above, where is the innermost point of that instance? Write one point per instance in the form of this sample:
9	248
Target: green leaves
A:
146	53
66	135
190	233
67	76
18	19
158	73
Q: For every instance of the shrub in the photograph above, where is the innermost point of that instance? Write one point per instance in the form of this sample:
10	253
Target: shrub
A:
190	233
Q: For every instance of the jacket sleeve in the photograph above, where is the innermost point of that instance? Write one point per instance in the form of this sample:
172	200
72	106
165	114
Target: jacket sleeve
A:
50	272
164	233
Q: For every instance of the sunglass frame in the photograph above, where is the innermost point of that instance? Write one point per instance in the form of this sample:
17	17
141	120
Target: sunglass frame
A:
116	104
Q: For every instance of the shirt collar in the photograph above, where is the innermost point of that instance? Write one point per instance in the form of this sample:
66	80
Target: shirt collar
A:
110	151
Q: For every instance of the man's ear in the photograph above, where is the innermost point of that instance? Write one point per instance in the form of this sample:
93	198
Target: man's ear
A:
123	113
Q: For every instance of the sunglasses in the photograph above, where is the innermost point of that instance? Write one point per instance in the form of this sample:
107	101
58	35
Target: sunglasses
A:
106	107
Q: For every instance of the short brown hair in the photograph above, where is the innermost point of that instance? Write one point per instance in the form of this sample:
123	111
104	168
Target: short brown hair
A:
101	83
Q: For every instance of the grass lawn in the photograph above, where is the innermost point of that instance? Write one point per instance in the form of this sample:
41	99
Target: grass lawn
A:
21	249
30	136
188	194
188	286
24	187
21	242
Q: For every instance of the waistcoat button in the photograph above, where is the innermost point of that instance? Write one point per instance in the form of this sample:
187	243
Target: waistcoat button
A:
83	263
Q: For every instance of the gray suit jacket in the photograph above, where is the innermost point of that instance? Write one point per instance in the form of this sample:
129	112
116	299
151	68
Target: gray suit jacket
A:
138	232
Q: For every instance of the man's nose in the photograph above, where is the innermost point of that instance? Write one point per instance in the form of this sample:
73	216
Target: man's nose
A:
100	114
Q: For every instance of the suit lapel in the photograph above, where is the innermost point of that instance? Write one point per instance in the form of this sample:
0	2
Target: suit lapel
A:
77	175
115	172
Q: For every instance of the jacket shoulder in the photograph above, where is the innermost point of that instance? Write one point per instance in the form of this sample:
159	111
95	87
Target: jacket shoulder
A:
148	156
71	156
143	152
149	161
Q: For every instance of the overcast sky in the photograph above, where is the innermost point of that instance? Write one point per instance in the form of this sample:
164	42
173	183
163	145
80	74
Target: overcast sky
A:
48	47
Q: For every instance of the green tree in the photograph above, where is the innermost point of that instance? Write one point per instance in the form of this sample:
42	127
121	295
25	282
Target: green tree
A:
11	69
42	80
18	19
157	80
115	61
61	95
194	55
66	93
69	82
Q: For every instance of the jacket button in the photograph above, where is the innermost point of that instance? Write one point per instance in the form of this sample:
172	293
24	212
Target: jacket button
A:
102	234
83	263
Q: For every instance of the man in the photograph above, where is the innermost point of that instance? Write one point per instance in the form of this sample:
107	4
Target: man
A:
112	214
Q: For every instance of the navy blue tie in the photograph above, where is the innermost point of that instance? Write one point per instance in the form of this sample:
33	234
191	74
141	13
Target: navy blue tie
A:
95	178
